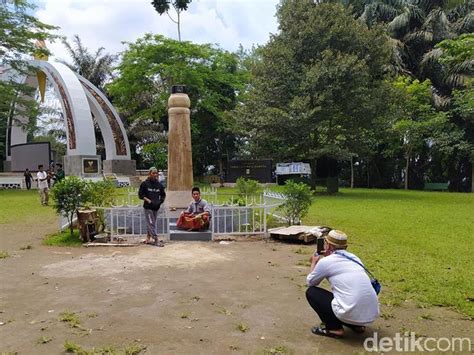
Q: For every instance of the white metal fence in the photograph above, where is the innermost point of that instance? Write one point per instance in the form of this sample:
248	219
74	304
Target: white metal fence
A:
238	220
245	215
238	215
130	222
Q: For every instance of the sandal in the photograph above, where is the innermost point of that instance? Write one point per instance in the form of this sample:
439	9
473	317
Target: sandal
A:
324	332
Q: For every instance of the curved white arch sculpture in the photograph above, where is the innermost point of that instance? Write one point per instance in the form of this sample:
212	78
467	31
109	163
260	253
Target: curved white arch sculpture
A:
80	99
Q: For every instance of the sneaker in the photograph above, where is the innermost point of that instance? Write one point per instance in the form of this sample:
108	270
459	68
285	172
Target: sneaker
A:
159	244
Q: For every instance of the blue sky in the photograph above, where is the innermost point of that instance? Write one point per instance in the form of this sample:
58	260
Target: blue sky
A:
106	23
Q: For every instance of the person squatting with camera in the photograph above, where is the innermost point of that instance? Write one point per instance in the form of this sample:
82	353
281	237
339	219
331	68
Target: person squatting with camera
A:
153	194
353	301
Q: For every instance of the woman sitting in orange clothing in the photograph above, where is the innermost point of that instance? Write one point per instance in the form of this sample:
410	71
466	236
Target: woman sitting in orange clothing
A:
197	216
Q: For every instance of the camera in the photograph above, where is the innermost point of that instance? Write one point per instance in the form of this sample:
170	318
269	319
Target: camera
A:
319	246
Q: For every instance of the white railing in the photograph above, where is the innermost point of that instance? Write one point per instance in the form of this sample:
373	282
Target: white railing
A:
274	200
243	220
245	215
129	222
132	197
126	219
209	194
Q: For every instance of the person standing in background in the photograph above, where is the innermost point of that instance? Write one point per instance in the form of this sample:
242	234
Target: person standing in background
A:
49	175
43	188
60	175
28	178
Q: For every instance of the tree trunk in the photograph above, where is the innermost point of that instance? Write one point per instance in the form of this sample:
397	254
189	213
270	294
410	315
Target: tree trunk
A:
472	176
179	26
221	172
368	173
352	172
313	164
407	166
71	229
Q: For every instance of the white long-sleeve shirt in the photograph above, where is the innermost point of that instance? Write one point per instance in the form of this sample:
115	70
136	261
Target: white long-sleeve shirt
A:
355	301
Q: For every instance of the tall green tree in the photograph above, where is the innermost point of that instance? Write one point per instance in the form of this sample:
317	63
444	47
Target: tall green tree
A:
419	122
317	82
163	6
19	32
454	60
153	64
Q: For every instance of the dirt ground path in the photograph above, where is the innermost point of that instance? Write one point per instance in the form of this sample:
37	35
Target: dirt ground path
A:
186	298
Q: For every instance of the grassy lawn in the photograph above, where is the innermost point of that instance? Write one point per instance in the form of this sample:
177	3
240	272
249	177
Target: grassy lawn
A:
63	239
419	244
22	206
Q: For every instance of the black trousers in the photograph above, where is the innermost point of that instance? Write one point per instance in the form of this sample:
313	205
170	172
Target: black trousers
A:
28	184
320	300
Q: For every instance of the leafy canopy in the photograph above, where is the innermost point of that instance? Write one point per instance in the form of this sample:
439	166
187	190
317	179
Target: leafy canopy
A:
19	32
153	64
317	82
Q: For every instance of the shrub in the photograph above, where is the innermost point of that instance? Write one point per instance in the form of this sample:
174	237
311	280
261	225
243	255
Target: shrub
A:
246	186
298	200
236	201
72	192
69	194
101	194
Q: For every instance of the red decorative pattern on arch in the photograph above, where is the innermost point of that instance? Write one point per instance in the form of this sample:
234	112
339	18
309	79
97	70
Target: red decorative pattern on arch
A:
120	146
67	108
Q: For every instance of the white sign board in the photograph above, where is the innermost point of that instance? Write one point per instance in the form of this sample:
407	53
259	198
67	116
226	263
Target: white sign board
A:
293	168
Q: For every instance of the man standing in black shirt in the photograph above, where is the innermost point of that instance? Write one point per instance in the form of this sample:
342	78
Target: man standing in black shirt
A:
28	178
153	195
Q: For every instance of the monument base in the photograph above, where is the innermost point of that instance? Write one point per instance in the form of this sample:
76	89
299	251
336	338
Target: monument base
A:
82	165
7	165
178	199
120	167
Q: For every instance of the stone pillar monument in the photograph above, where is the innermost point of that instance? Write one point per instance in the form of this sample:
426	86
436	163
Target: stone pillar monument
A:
180	164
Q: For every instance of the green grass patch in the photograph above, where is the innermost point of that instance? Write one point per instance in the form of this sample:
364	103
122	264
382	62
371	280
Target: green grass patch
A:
4	254
243	327
71	347
44	340
70	318
63	239
280	349
419	244
23	206
133	348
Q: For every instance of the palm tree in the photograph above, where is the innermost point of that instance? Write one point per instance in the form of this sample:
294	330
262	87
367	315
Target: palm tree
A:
452	59
95	67
163	6
416	26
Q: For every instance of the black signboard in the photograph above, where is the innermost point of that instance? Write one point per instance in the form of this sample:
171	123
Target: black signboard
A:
260	170
90	166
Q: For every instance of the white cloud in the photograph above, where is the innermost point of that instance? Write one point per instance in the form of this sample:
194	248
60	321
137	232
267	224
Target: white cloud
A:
106	23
